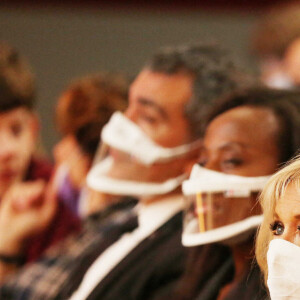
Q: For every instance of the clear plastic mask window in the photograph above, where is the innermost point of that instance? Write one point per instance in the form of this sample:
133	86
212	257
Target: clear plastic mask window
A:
208	211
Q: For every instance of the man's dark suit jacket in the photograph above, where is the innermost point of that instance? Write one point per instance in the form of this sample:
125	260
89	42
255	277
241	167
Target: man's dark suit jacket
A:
149	271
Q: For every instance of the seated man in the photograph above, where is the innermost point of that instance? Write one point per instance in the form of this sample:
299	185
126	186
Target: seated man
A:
150	150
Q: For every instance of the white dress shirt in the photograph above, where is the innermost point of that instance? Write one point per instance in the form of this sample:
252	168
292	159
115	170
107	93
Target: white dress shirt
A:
150	217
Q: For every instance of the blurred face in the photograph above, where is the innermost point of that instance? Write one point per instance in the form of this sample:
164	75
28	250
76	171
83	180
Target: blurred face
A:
274	74
18	132
156	105
286	223
292	61
241	141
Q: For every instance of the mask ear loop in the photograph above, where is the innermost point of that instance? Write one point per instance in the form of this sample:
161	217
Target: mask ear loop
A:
200	212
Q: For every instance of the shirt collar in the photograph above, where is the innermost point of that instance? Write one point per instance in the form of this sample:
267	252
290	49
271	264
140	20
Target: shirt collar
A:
153	215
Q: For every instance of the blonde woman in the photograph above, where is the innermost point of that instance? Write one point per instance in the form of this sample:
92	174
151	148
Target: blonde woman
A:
278	241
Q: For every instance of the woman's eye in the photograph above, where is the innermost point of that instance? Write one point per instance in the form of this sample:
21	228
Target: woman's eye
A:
202	163
233	162
277	228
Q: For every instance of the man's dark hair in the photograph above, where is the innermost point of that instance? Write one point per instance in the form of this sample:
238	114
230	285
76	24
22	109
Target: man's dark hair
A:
214	71
277	30
285	104
16	80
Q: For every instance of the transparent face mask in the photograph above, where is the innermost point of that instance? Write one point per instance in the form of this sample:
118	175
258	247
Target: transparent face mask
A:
129	163
219	207
207	213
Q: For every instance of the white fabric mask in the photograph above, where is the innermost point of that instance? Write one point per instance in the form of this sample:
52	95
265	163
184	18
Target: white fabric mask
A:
124	135
283	270
99	181
209	195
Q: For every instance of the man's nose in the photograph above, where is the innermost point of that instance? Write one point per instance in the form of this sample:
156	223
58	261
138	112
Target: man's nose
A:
131	114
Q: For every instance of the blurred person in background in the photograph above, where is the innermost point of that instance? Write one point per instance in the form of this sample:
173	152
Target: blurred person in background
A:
135	252
81	112
19	127
19	162
277	245
247	137
276	42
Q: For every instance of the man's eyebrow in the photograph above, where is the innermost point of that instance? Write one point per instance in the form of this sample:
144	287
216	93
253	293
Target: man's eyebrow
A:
153	105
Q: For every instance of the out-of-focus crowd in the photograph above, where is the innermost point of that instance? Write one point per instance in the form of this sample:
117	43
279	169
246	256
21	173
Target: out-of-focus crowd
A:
181	183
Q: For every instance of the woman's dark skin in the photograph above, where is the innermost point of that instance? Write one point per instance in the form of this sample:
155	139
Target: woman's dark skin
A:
241	141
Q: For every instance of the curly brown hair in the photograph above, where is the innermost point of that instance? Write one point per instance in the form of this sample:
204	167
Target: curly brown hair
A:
88	103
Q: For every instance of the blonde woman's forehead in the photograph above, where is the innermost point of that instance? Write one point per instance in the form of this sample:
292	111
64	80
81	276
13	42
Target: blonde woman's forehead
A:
287	208
291	193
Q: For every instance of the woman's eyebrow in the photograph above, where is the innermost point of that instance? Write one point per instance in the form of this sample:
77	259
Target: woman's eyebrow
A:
232	145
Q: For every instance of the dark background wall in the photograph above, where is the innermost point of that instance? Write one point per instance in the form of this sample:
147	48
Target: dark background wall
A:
62	42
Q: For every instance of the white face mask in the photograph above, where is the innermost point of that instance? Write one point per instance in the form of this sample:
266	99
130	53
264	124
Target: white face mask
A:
211	198
123	134
99	181
283	270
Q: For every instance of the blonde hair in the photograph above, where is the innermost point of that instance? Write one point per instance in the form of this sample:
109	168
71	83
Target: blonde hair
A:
272	192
